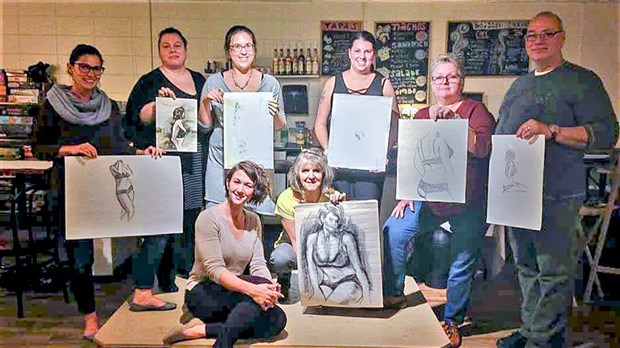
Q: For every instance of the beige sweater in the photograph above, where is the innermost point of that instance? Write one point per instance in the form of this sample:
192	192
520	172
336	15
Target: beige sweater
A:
217	250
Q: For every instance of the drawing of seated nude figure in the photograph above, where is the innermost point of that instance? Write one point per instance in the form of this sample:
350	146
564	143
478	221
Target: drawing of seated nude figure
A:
124	189
333	258
432	161
510	174
178	131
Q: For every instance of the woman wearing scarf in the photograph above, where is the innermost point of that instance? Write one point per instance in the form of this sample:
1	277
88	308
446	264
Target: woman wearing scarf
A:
80	120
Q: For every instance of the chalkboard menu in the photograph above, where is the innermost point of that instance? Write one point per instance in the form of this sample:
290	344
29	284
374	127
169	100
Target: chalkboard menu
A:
402	55
490	48
336	37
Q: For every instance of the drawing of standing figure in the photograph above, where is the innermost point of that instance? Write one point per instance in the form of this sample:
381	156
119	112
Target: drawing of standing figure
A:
432	161
510	174
124	189
178	132
334	265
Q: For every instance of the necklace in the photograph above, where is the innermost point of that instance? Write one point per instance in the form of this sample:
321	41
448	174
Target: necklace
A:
246	82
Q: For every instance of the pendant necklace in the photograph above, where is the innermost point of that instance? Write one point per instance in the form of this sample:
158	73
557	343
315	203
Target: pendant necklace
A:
246	82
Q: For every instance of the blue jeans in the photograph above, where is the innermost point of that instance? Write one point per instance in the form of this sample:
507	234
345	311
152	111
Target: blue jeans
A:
398	235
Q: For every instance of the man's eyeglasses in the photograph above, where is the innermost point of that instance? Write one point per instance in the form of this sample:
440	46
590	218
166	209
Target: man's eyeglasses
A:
249	47
439	79
544	36
86	68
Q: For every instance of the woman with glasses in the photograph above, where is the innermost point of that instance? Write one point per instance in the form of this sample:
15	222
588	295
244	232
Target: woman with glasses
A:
360	78
467	221
230	292
81	120
240	47
159	255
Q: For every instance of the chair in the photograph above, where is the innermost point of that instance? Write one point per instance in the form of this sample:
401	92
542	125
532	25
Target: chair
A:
602	214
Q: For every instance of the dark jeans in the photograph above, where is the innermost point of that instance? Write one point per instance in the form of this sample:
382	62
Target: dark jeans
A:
546	262
161	255
231	315
80	253
359	184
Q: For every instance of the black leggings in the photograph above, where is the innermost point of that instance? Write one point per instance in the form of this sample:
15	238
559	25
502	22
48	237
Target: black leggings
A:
81	258
231	315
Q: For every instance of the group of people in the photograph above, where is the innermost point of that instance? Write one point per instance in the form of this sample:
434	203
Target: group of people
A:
230	291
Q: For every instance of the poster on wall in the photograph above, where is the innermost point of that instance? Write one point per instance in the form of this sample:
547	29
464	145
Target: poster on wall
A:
122	196
402	56
359	131
176	123
248	128
432	160
339	258
490	48
336	37
516	182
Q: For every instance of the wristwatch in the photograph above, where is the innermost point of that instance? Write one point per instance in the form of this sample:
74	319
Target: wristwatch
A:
554	129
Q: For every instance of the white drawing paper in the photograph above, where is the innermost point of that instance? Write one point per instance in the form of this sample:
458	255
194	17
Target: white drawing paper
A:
123	196
432	160
516	182
176	122
339	258
248	129
359	131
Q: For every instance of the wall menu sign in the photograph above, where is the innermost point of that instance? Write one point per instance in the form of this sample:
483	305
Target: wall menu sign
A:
336	37
402	55
490	48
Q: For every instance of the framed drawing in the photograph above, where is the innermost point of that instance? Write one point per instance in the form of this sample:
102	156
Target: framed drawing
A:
176	123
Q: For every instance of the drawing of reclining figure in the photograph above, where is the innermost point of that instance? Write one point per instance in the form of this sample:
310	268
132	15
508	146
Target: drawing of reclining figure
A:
432	161
124	189
335	264
510	174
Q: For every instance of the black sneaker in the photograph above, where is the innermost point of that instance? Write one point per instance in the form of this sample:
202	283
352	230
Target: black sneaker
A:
515	340
285	286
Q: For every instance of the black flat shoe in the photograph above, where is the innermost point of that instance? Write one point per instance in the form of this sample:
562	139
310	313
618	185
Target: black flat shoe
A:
134	307
515	340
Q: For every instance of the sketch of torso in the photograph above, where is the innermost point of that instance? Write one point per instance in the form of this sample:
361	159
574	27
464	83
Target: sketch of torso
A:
432	161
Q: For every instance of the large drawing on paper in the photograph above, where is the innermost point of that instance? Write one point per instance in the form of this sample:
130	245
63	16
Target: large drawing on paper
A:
176	124
339	257
248	129
123	196
432	160
359	131
516	182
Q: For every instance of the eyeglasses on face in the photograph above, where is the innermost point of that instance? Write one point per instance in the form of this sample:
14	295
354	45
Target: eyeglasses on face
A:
543	36
249	47
439	79
86	68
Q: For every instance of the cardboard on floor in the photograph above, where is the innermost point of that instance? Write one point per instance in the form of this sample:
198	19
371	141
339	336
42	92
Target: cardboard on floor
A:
413	326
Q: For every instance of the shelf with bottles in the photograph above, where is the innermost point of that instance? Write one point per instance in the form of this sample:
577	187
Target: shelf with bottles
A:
291	60
297	76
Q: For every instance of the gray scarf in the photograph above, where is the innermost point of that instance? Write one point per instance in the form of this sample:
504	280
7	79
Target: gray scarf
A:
95	111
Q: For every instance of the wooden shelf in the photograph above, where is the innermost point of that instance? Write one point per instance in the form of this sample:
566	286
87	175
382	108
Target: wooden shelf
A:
296	76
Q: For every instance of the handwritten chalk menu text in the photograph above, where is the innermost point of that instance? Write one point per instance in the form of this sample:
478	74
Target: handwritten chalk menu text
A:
490	48
402	55
336	39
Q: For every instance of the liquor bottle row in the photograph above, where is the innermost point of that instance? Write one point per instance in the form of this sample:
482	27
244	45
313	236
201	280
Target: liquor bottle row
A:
287	61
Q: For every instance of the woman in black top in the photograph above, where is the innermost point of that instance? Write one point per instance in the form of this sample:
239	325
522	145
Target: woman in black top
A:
171	79
360	78
80	120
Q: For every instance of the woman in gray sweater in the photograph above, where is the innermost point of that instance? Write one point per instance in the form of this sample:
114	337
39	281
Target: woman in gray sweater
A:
226	301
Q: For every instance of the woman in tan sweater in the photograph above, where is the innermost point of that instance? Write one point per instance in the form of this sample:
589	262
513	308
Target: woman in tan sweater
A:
229	303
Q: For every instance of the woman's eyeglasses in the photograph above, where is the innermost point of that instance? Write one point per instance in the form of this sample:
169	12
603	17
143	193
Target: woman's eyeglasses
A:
439	79
249	47
86	68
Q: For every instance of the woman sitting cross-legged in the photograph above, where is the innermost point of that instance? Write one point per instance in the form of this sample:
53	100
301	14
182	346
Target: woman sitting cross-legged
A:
226	302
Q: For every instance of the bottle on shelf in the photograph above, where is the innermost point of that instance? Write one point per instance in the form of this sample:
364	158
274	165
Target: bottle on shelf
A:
309	58
288	65
274	62
281	64
295	62
301	61
315	60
